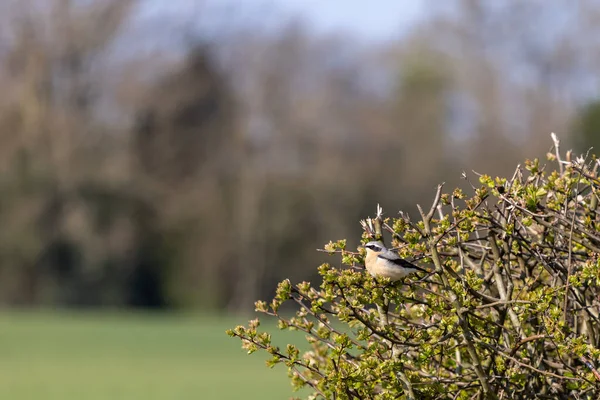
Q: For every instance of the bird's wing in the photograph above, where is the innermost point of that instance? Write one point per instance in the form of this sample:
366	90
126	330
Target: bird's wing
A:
401	262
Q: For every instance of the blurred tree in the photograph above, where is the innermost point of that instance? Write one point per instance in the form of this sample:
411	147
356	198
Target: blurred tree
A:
52	93
419	116
586	127
306	113
183	151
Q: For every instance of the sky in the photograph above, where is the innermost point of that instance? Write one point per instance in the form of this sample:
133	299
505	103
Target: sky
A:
365	20
370	20
375	19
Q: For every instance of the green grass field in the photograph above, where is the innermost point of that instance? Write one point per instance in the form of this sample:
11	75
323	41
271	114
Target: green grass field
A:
130	356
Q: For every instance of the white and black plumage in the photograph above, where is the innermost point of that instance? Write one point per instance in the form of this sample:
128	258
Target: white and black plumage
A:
382	262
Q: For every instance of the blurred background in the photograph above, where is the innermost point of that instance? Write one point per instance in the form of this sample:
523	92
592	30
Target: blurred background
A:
188	155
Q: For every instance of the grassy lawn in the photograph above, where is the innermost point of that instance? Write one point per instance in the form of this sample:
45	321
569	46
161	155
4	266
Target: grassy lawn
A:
130	356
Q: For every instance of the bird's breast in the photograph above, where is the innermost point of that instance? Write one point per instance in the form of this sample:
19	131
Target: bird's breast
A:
388	270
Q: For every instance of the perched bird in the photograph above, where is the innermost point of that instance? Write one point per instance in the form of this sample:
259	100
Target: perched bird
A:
382	262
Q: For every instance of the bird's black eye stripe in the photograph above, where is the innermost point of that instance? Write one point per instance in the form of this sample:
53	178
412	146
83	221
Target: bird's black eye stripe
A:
373	247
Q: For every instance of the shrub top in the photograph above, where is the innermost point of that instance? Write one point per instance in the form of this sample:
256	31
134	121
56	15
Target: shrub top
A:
510	308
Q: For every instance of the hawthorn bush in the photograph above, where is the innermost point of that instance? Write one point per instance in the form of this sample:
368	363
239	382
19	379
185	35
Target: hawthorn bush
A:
510	309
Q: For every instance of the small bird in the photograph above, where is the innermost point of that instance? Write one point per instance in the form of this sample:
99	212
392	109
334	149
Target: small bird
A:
382	262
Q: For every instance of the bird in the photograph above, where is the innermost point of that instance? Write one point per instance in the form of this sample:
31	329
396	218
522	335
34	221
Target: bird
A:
382	262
